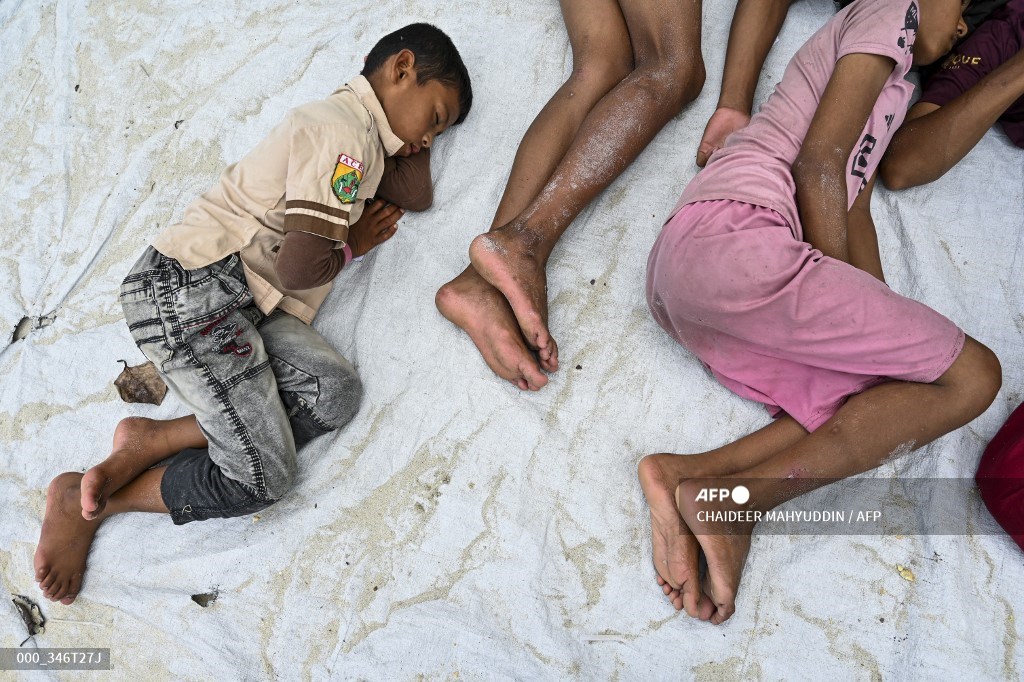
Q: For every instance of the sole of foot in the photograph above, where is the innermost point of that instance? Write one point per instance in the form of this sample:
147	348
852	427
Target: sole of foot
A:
64	541
675	549
501	260
472	304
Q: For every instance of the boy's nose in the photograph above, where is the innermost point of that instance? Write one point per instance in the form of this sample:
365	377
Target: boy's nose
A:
961	28
428	139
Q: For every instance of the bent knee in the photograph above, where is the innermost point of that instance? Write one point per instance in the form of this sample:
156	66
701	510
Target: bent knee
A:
978	376
341	393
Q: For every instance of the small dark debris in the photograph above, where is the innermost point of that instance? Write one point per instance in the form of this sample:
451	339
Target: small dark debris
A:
314	505
206	599
177	124
882	619
22	329
346	563
76	86
374	588
419	507
579	366
30	614
592	281
141	384
605	284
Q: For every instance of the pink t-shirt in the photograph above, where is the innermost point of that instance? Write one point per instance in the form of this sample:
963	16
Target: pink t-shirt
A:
755	164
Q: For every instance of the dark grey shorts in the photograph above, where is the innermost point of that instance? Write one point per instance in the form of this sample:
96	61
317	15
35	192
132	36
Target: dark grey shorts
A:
260	386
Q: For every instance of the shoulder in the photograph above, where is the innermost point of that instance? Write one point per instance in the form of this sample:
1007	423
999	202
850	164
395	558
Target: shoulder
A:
342	112
884	27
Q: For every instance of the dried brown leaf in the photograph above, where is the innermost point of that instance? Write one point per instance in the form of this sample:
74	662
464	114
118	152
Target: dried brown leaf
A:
141	384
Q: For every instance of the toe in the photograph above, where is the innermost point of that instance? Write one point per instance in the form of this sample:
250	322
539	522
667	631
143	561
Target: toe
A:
535	378
705	608
74	586
691	598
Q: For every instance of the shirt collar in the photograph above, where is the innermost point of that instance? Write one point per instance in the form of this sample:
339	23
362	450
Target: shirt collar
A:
364	91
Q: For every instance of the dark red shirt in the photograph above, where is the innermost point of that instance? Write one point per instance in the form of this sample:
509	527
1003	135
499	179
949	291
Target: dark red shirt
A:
994	42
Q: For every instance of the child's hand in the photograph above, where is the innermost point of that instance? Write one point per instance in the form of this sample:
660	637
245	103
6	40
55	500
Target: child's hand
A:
378	224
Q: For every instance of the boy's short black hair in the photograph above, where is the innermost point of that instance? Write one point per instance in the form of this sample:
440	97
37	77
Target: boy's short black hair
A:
436	59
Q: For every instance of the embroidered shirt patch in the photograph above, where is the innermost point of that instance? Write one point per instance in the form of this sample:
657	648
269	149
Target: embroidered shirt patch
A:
347	175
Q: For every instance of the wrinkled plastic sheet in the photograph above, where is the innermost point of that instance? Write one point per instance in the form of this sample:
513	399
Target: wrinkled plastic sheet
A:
458	528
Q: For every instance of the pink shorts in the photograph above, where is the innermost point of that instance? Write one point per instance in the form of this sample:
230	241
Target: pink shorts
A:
778	322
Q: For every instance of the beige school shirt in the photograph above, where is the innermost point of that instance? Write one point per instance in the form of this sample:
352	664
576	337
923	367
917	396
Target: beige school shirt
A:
312	173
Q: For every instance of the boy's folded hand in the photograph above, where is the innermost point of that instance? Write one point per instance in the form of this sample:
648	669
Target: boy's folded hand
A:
378	224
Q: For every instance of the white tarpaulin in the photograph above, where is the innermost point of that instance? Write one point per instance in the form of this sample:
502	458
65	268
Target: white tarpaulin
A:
457	528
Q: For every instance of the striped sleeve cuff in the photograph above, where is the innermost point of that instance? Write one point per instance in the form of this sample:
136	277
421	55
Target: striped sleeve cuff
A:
316	218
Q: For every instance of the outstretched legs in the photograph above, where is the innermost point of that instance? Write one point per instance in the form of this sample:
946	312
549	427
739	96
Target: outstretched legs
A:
634	68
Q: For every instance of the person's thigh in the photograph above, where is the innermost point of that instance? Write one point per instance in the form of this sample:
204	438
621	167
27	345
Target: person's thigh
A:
597	32
198	328
320	389
664	29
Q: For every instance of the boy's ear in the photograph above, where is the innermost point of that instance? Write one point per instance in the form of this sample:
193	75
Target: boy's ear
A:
405	65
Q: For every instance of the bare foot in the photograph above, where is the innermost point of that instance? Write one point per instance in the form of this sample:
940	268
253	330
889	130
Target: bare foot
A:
675	549
132	437
64	541
469	302
724	122
505	257
725	554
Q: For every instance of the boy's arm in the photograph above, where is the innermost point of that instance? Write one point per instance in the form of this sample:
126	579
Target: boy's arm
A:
819	170
862	238
934	138
755	25
406	181
307	260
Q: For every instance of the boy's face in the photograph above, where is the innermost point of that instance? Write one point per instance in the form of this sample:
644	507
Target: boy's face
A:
942	24
417	112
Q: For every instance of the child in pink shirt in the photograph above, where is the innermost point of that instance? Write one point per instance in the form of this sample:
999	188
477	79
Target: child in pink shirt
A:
768	271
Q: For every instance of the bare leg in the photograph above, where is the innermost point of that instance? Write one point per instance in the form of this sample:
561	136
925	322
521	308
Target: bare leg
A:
139	443
675	550
67	535
755	25
601	58
668	73
866	430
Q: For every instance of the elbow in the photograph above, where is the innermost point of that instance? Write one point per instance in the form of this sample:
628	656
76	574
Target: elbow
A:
294	275
419	202
894	175
811	170
295	281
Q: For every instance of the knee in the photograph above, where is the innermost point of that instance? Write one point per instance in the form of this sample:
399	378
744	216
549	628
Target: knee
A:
672	77
595	72
341	393
982	377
